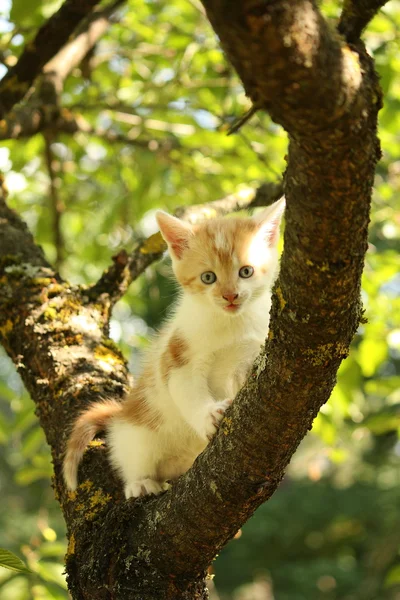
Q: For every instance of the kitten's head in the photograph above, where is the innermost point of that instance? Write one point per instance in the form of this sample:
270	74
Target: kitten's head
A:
227	262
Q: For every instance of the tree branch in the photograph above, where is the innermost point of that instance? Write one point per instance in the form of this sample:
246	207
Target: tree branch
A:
48	41
59	340
26	122
72	54
43	111
149	144
57	206
298	37
36	117
356	15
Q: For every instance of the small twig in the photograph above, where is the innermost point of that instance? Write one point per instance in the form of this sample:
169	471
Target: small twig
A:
356	15
57	206
242	120
150	144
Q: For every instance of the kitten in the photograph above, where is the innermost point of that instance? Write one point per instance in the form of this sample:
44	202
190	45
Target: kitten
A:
198	361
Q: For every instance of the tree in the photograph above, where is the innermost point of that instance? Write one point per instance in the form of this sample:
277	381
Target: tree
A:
321	86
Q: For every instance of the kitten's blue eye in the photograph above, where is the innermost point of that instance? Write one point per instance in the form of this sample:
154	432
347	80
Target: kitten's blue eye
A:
246	272
208	277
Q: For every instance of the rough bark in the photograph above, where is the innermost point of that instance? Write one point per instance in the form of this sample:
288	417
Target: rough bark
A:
325	93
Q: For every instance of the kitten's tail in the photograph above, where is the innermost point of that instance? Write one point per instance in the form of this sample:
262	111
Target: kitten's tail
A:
90	422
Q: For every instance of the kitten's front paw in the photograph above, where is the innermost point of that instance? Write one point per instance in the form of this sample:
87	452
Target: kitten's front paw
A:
215	414
143	487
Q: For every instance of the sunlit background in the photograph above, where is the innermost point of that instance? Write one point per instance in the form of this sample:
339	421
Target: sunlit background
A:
158	97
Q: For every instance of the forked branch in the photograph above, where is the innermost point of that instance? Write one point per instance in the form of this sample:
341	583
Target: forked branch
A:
50	38
356	15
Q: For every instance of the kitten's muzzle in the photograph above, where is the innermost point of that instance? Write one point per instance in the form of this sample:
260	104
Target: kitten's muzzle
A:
233	304
230	298
232	307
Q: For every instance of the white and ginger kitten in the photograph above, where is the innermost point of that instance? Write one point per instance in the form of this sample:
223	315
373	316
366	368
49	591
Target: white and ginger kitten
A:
198	361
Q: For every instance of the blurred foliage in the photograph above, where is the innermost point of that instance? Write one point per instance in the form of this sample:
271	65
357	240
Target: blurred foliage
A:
332	531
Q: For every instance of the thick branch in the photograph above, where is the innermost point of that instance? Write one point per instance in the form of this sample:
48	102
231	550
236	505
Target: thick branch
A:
291	49
55	339
356	15
50	38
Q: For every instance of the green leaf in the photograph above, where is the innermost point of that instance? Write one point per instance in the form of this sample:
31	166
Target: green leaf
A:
28	475
52	549
8	560
4	429
26	14
388	419
52	572
32	442
393	577
32	13
371	354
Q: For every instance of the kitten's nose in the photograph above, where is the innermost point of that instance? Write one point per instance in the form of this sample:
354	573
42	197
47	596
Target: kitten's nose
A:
230	297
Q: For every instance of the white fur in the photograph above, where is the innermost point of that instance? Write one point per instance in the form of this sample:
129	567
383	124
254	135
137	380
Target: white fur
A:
197	395
223	348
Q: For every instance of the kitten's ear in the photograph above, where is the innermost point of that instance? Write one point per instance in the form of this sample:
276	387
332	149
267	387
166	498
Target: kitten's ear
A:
175	232
269	221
